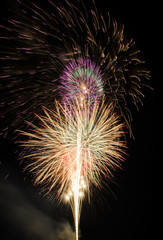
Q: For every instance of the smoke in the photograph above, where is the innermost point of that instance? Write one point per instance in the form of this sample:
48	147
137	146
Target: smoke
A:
20	219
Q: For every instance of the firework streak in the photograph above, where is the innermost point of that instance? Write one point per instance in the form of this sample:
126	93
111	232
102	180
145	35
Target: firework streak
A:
84	71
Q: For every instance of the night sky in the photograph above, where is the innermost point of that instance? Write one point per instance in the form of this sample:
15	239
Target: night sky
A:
24	214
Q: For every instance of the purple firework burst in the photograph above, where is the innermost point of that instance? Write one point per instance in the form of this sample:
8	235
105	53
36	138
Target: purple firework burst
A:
81	79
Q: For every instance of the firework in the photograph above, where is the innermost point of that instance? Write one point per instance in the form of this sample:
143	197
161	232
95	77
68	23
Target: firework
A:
90	69
58	40
73	148
81	79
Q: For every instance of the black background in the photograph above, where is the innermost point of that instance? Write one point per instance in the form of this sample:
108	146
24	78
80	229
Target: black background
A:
130	214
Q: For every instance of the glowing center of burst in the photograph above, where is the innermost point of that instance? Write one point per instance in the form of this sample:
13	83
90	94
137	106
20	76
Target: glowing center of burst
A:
74	188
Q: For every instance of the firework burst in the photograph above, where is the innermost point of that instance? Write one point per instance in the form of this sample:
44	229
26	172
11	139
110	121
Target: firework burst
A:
54	42
73	148
81	79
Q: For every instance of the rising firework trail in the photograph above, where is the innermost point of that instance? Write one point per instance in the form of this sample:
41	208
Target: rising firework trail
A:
84	71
